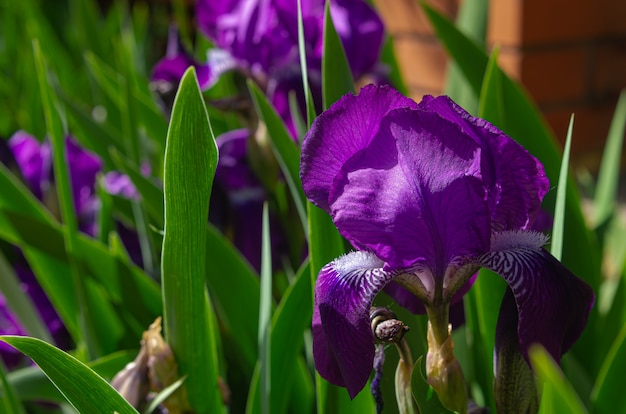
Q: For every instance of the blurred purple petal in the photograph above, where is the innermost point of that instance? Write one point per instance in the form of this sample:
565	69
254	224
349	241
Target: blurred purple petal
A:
33	161
360	30
116	183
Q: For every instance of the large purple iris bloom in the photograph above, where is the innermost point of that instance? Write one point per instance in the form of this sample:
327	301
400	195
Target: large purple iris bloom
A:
428	194
259	38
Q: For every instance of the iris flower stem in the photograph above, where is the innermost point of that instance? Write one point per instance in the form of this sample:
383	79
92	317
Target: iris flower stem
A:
442	368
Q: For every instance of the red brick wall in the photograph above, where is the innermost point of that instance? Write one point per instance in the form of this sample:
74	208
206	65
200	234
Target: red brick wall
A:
569	54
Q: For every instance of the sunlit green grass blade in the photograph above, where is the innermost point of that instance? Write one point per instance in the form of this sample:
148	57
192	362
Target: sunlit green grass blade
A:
190	162
8	400
291	318
265	317
310	105
607	395
557	394
80	385
284	148
558	227
336	74
66	201
608	176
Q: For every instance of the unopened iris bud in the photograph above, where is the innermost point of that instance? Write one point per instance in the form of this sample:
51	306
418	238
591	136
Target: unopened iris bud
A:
444	372
132	382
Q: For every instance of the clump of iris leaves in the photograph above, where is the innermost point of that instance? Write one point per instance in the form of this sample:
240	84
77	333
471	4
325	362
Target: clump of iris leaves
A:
246	330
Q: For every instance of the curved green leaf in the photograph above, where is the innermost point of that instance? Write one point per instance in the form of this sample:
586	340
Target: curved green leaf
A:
81	386
190	162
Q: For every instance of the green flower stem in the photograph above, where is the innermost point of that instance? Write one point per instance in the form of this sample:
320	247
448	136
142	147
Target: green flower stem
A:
442	368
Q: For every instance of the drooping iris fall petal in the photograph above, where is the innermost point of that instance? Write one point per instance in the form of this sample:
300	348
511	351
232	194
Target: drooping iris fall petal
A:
552	304
343	343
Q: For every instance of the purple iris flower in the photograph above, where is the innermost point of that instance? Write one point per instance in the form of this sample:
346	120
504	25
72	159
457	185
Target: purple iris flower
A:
259	38
34	159
428	194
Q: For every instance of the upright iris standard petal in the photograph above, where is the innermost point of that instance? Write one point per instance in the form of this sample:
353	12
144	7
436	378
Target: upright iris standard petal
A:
516	180
343	343
340	132
552	304
411	197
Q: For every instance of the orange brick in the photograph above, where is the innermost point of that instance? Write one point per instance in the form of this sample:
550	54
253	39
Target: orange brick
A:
422	62
608	68
555	75
407	16
561	20
505	22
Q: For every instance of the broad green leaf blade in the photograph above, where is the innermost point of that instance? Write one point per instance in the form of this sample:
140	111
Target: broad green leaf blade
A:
558	227
284	148
237	308
608	176
31	384
557	394
336	74
607	395
81	386
190	162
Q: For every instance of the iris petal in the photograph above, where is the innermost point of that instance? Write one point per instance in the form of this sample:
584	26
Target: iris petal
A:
552	303
341	131
516	179
414	196
343	343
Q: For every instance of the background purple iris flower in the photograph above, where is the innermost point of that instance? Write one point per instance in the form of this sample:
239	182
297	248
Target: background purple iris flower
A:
33	159
428	194
259	38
